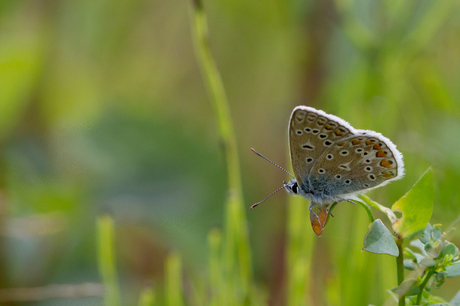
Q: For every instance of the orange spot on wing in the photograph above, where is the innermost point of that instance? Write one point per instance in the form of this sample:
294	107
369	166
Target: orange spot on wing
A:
381	154
368	142
377	147
385	163
338	133
356	142
328	127
387	174
341	144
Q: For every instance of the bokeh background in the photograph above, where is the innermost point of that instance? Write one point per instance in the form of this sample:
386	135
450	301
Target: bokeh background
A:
103	109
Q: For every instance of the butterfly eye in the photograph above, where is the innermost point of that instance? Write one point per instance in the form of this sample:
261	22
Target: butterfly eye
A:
344	153
321	171
327	143
348	182
338	176
368	169
307	130
367	161
367	185
359	150
329	156
315	131
309	160
371	177
299	132
322	136
294	188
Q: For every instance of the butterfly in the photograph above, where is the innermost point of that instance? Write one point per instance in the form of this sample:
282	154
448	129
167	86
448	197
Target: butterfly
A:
333	162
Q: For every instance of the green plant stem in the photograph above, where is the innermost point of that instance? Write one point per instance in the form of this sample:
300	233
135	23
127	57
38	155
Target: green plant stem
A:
106	259
147	297
173	286
422	286
236	241
368	210
400	268
380	207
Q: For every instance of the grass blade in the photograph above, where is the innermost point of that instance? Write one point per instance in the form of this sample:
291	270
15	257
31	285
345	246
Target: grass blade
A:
106	259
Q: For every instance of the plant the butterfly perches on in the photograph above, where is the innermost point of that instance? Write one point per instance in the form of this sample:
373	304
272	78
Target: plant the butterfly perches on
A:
334	162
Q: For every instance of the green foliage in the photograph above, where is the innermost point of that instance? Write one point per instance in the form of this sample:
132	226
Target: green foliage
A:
379	240
416	207
434	257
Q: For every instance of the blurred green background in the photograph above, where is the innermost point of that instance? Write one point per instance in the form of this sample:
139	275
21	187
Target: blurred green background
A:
103	109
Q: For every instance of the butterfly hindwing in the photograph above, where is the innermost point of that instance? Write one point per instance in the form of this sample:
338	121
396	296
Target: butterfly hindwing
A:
357	163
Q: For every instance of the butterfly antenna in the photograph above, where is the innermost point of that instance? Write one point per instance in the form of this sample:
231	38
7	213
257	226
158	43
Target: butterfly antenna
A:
252	149
254	205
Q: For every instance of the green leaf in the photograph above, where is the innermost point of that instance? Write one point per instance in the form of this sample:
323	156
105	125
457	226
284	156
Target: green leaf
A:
450	249
440	278
428	262
379	240
426	234
417	256
456	300
436	232
407	287
416	207
433	249
409	264
453	271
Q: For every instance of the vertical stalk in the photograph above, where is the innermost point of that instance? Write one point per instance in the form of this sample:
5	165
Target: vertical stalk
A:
106	258
422	286
236	251
174	289
217	294
147	296
400	268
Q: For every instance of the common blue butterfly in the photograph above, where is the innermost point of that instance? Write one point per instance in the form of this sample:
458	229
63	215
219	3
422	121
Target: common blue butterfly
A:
334	162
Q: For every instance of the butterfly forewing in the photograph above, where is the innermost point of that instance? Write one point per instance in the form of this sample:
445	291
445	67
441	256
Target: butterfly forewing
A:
311	133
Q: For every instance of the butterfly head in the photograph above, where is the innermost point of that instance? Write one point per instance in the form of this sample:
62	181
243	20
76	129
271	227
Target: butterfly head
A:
291	187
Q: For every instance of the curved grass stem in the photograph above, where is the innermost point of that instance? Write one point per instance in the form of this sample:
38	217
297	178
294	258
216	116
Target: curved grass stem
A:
236	251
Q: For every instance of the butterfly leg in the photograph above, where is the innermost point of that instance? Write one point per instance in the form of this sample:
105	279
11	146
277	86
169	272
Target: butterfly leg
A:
349	201
311	211
327	209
